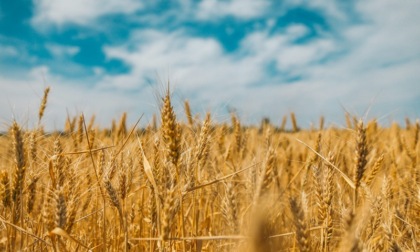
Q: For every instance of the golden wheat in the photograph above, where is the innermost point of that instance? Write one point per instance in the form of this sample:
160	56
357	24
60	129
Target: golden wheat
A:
191	186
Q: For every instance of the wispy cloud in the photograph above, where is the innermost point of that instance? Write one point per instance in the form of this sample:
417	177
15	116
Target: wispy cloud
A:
7	51
61	51
211	10
80	12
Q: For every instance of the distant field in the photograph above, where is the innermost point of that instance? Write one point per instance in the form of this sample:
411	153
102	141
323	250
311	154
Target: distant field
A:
203	186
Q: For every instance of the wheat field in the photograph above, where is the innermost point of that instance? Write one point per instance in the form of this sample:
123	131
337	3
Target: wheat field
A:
201	185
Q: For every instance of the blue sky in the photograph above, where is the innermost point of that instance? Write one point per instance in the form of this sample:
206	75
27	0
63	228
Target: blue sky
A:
260	58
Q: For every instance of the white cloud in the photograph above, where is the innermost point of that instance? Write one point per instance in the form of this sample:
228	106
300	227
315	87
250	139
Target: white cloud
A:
296	56
289	57
296	31
8	51
81	12
243	9
330	8
157	51
61	51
